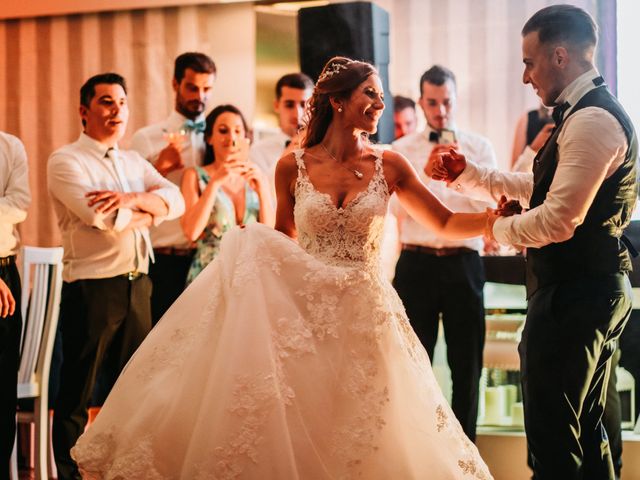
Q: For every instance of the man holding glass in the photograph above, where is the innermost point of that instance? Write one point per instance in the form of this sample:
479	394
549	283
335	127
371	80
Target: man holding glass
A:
172	145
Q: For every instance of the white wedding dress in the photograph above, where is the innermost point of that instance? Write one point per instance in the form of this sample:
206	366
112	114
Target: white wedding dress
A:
284	362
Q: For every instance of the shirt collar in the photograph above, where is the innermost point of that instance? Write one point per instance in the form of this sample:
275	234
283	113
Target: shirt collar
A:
578	88
282	137
93	146
176	120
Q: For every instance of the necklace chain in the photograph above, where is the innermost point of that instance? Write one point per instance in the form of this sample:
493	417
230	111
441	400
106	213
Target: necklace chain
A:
359	175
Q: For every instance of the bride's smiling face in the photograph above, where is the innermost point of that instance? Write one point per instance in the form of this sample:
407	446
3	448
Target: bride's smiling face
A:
365	105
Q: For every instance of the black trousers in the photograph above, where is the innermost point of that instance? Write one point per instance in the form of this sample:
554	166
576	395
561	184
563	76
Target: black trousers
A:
630	352
169	277
10	328
452	286
95	315
566	350
612	416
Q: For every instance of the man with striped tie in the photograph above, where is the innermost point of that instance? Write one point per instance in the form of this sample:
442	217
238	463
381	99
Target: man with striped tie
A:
105	200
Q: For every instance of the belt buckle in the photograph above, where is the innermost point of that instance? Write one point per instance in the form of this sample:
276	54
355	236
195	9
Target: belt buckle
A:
132	275
6	261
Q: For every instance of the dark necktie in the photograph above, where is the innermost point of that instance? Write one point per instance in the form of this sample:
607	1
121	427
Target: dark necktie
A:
558	112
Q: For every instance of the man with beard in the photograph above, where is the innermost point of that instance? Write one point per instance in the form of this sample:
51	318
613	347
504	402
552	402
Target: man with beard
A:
580	198
439	278
173	145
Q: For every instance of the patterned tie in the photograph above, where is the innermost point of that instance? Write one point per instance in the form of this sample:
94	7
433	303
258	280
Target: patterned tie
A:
558	112
194	126
112	153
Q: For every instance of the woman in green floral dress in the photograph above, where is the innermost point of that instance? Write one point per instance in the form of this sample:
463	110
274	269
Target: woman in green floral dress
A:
226	191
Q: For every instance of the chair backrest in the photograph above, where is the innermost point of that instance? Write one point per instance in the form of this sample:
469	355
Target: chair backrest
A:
41	290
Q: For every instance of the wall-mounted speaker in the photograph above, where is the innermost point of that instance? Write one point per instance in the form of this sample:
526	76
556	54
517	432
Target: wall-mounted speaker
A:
358	30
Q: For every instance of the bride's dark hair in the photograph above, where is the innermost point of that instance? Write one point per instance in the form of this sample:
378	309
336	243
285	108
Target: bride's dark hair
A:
338	79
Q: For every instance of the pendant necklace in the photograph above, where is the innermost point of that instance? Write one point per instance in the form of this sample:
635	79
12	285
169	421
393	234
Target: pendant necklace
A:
355	171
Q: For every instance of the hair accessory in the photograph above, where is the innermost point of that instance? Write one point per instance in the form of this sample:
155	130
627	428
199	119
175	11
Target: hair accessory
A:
332	70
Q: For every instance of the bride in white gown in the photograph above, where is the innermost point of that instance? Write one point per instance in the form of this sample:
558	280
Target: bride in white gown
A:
288	360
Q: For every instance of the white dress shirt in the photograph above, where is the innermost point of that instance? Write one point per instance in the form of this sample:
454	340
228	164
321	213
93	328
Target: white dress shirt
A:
524	162
266	152
149	141
98	245
417	147
591	147
14	191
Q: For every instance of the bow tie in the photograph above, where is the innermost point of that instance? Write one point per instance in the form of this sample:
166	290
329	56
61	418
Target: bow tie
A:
434	137
558	112
192	125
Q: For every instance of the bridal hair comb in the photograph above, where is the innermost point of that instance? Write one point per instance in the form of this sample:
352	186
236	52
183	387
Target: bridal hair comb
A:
332	70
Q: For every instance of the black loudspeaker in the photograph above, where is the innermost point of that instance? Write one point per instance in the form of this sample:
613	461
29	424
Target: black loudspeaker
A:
358	30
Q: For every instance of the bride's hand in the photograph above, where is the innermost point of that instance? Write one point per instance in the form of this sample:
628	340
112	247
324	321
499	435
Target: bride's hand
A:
435	168
507	208
492	216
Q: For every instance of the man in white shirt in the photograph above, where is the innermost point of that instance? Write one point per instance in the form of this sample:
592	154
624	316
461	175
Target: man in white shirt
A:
105	200
292	92
171	146
580	196
14	201
435	276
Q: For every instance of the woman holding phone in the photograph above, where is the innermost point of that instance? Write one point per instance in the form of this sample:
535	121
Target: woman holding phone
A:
226	191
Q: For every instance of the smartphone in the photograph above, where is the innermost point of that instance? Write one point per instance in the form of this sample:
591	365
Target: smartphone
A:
447	136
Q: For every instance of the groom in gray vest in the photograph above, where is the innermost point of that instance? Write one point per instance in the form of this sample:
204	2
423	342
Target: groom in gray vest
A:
579	199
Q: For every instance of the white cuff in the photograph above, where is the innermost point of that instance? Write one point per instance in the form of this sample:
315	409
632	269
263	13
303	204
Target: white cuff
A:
500	229
465	176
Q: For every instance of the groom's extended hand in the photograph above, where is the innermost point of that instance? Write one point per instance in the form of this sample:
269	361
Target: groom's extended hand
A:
506	208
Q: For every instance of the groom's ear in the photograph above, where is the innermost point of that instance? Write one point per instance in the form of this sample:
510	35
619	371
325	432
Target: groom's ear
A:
560	56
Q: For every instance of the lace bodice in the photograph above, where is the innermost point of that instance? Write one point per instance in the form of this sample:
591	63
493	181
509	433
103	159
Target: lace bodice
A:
348	235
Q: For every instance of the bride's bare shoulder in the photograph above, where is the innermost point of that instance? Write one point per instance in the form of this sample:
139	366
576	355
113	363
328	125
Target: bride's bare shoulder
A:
286	169
287	163
395	165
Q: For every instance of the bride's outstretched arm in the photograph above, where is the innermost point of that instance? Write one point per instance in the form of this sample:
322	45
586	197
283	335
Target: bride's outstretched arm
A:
424	207
286	175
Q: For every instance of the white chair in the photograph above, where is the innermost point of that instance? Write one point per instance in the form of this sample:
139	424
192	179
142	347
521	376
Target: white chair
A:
41	290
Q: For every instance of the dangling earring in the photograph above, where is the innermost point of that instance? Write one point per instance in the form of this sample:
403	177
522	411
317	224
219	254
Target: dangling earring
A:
339	109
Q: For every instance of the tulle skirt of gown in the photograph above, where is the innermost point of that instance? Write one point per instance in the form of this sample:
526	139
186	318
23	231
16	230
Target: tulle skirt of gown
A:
275	365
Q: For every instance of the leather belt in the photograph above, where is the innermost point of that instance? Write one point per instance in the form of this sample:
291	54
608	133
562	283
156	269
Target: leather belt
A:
437	252
180	252
6	261
132	275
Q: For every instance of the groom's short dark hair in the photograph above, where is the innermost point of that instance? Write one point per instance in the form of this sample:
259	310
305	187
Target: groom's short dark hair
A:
563	23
